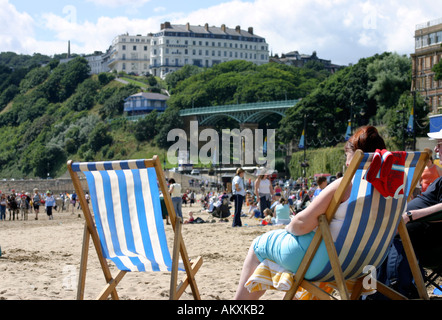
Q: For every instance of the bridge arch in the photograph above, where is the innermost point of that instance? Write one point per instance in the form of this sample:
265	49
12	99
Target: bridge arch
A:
241	113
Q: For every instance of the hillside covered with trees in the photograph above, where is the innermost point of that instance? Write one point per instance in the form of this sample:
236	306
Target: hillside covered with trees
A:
52	112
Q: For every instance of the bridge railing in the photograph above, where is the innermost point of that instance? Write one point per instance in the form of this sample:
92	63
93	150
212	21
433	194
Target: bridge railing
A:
238	107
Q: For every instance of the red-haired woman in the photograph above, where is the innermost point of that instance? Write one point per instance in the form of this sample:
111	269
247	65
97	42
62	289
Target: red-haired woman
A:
286	247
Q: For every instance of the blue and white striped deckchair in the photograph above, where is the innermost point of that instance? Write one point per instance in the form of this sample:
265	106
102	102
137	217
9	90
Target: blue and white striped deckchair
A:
127	224
368	229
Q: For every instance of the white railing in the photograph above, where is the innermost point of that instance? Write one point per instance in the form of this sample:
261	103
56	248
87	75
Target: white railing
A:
429	24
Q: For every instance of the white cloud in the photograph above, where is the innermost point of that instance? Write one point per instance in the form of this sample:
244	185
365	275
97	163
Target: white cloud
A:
16	29
119	3
159	9
88	37
340	30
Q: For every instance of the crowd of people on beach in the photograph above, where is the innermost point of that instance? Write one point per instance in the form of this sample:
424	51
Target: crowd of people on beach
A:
19	205
270	201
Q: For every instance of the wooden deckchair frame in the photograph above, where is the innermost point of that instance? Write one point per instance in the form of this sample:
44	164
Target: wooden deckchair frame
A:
323	232
179	248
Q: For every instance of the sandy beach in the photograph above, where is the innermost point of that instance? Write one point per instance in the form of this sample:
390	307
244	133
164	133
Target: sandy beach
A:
40	259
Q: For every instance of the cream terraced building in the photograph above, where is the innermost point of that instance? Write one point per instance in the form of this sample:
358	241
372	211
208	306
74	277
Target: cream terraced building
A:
175	46
130	54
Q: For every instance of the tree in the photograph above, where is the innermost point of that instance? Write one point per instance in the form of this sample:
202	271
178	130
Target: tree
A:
83	98
145	129
358	92
168	120
437	69
185	72
33	78
76	72
389	78
7	95
47	159
114	105
105	77
99	137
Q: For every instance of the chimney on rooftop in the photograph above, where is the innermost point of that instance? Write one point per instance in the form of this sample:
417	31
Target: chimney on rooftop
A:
188	26
238	29
251	30
223	27
206	26
165	25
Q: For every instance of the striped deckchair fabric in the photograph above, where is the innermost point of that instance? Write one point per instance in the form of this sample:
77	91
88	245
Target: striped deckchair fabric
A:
371	222
124	203
127	217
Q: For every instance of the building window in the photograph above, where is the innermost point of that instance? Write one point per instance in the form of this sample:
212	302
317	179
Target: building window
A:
135	48
124	47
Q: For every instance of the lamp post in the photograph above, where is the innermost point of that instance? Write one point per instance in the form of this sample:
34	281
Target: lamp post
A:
414	119
304	164
403	128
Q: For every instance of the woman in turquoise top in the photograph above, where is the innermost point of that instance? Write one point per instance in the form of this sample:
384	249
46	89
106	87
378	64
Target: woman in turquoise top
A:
282	211
287	246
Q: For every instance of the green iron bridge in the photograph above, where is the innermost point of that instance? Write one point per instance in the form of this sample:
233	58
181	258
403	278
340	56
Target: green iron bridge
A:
242	113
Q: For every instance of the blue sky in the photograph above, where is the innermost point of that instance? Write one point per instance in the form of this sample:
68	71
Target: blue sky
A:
339	30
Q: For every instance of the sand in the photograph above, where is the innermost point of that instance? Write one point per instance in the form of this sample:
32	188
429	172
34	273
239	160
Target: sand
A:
40	259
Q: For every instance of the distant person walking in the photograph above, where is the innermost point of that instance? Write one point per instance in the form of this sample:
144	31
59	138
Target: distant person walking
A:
49	204
239	193
2	206
177	198
73	200
264	192
36	202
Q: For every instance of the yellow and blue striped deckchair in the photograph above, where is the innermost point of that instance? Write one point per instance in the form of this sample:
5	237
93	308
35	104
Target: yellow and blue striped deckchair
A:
370	224
127	225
